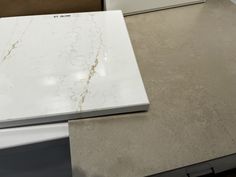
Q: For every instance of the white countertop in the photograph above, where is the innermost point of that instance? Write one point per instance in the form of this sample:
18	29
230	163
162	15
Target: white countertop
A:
60	67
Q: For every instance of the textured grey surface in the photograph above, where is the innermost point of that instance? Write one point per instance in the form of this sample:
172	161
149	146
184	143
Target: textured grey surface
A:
187	57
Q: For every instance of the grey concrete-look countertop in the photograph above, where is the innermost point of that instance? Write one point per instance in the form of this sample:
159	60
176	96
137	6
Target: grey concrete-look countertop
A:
187	57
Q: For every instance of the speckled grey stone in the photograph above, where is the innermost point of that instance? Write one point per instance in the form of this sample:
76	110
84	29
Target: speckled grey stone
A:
187	57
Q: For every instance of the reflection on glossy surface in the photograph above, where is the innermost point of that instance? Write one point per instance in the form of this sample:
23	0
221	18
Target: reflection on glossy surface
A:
49	81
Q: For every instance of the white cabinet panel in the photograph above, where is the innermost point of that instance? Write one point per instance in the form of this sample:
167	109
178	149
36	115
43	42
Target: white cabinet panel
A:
21	136
137	6
234	1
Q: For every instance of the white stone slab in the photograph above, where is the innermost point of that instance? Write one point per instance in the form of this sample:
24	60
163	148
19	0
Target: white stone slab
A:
60	67
138	6
13	137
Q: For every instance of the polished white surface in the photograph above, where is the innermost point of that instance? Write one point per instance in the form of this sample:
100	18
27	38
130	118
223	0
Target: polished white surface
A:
60	67
14	137
137	6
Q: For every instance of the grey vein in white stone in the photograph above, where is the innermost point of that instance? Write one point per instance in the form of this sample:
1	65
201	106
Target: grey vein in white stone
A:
92	69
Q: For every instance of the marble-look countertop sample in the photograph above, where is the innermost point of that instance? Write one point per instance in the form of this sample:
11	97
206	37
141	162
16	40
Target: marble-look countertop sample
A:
65	66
